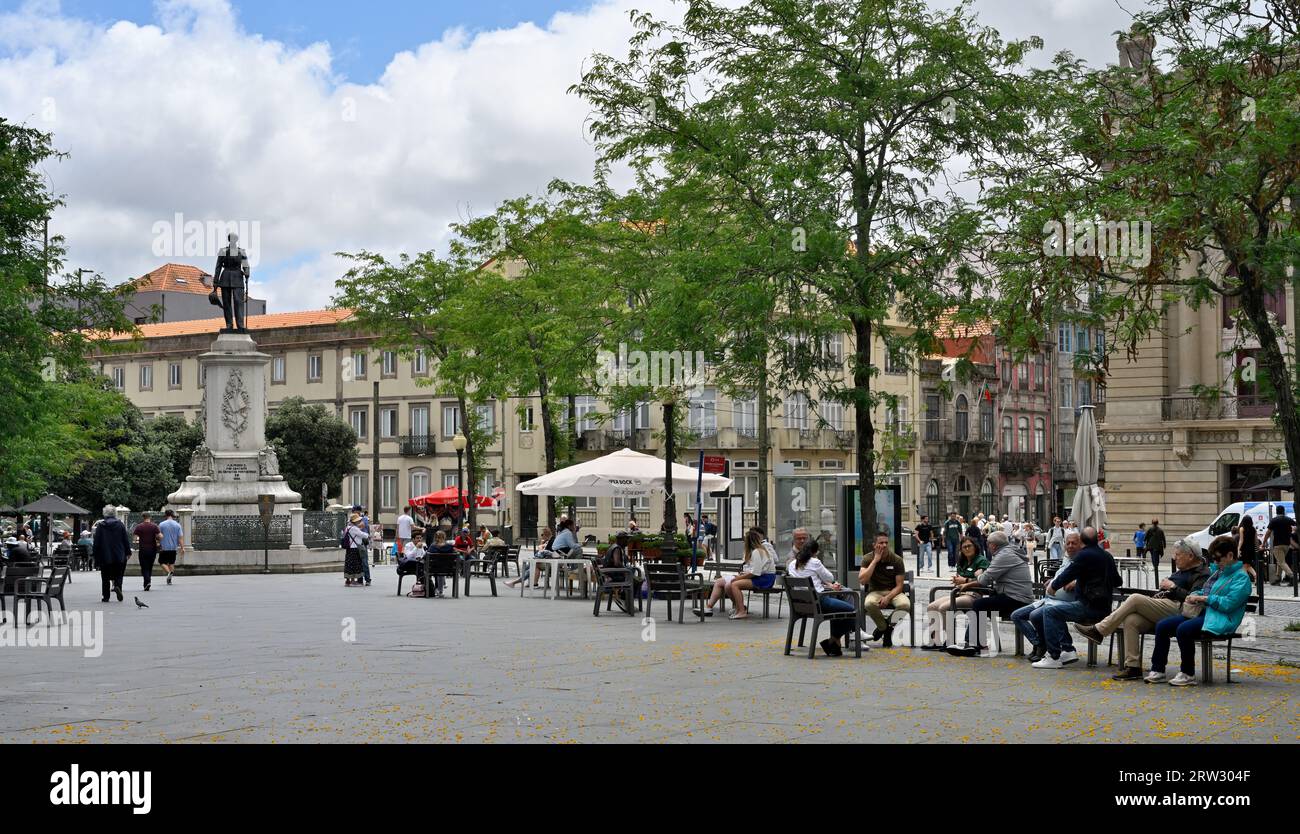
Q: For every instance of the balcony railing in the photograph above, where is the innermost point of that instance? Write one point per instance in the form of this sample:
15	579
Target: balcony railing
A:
415	445
1027	463
967	449
1220	408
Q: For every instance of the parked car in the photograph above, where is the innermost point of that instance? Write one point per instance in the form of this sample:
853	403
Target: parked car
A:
1230	517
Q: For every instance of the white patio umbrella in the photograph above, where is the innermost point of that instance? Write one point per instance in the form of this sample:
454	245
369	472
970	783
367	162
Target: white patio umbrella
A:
621	474
1087	509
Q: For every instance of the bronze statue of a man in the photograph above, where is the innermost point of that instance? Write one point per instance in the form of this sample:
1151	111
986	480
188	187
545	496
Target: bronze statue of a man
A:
230	278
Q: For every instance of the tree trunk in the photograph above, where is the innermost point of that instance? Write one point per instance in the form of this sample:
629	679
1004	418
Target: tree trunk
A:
764	448
866	433
467	423
548	442
1273	361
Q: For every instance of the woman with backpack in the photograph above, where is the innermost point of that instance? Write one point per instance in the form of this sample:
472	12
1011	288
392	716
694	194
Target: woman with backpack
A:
355	540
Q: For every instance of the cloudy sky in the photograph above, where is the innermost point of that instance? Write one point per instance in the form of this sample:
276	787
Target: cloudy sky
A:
332	125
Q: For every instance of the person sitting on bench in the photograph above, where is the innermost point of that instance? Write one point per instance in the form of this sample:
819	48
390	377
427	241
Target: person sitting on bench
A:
411	560
1138	613
1222	603
1095	576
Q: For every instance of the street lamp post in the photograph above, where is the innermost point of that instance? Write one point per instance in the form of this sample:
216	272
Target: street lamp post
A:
458	442
668	548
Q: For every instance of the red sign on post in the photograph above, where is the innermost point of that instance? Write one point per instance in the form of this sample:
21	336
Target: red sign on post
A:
715	464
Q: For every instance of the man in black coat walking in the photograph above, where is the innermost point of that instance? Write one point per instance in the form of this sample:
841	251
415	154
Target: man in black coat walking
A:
1155	544
111	550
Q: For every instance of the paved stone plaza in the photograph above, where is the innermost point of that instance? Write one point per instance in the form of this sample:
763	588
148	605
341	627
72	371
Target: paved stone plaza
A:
262	658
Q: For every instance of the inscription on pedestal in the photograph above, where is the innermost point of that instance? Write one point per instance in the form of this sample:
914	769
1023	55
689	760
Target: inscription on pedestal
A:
237	470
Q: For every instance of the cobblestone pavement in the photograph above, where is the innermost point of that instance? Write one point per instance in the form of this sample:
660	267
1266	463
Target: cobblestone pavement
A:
265	658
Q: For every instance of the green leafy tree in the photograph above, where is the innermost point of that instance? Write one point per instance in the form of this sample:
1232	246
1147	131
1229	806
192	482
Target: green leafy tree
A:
47	325
420	304
837	118
1200	139
314	447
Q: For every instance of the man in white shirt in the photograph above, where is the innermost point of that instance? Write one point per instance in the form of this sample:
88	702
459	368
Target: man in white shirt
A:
404	525
411	559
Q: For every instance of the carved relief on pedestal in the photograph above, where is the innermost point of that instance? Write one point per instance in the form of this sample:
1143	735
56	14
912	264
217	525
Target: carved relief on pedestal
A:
234	406
268	462
202	464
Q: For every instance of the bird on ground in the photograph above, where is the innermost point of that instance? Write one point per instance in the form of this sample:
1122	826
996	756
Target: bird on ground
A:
139	604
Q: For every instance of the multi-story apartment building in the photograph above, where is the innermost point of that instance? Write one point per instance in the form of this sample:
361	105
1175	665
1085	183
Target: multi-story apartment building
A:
316	355
1025	406
958	439
1174	453
1076	345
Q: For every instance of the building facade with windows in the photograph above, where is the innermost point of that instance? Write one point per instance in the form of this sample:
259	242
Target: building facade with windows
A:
316	355
1175	452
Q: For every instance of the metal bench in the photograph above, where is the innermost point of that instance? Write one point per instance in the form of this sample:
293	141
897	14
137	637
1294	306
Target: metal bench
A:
671	581
804	606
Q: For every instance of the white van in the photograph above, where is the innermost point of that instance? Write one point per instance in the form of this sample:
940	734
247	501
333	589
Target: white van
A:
1259	511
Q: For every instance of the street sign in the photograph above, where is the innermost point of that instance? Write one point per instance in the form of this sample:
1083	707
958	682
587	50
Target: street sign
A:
715	464
265	508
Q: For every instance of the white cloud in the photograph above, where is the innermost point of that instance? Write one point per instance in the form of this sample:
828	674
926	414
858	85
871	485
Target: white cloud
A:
195	115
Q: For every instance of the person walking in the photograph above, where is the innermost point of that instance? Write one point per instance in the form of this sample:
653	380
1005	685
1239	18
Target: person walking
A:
952	533
172	544
149	537
1277	541
111	550
1140	540
925	553
1154	542
1056	539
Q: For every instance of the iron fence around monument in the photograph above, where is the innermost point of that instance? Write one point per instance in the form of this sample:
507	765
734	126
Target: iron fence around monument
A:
322	529
238	532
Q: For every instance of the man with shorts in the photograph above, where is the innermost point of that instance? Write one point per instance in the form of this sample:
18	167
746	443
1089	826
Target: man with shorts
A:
1280	529
173	543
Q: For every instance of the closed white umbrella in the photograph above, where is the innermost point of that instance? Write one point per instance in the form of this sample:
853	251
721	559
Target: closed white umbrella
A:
621	474
1087	510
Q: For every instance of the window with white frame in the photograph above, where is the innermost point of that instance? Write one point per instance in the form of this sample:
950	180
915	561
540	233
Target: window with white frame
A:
487	417
420	420
1040	435
314	367
833	414
388	490
895	362
703	414
798	463
146	377
585	407
744	474
1063	342
584	502
449	479
358	484
640	503
832	464
986	420
1006	435
173	375
388	422
1067	393
358	418
118	374
526	423
277	370
420	482
961	428
419	363
835	346
796	411
388	364
746	416
1022	434
358	364
450	421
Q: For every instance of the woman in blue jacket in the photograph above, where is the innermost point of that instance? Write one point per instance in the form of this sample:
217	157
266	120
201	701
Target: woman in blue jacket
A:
1224	598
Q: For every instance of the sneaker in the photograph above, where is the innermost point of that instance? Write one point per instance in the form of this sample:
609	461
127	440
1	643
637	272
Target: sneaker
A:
877	634
831	647
1182	679
1155	677
146	587
1049	663
169	579
964	651
1090	632
1130	673
1069	657
887	640
1037	654
932	648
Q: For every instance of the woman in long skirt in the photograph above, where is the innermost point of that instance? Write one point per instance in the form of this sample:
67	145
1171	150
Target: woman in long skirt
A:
355	538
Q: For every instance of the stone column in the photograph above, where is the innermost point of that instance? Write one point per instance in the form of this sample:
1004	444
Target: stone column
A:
1187	352
295	526
187	525
122	513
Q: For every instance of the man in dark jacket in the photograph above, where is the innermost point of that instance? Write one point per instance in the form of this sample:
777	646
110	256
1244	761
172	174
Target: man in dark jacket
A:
1155	544
1139	613
111	551
1095	576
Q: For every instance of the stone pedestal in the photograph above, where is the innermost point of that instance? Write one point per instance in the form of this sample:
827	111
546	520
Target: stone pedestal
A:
234	465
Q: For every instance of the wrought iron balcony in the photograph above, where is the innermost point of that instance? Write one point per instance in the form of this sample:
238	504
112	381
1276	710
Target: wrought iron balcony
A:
973	449
1217	408
1027	463
415	445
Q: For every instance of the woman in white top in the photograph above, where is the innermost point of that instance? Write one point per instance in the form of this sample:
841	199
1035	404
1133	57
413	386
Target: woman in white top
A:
806	564
758	571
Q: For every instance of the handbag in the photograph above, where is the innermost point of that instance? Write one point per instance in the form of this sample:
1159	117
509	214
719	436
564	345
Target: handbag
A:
1192	609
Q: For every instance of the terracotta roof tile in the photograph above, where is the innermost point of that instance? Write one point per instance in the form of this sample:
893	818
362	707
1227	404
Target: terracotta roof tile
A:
271	321
949	328
174	278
